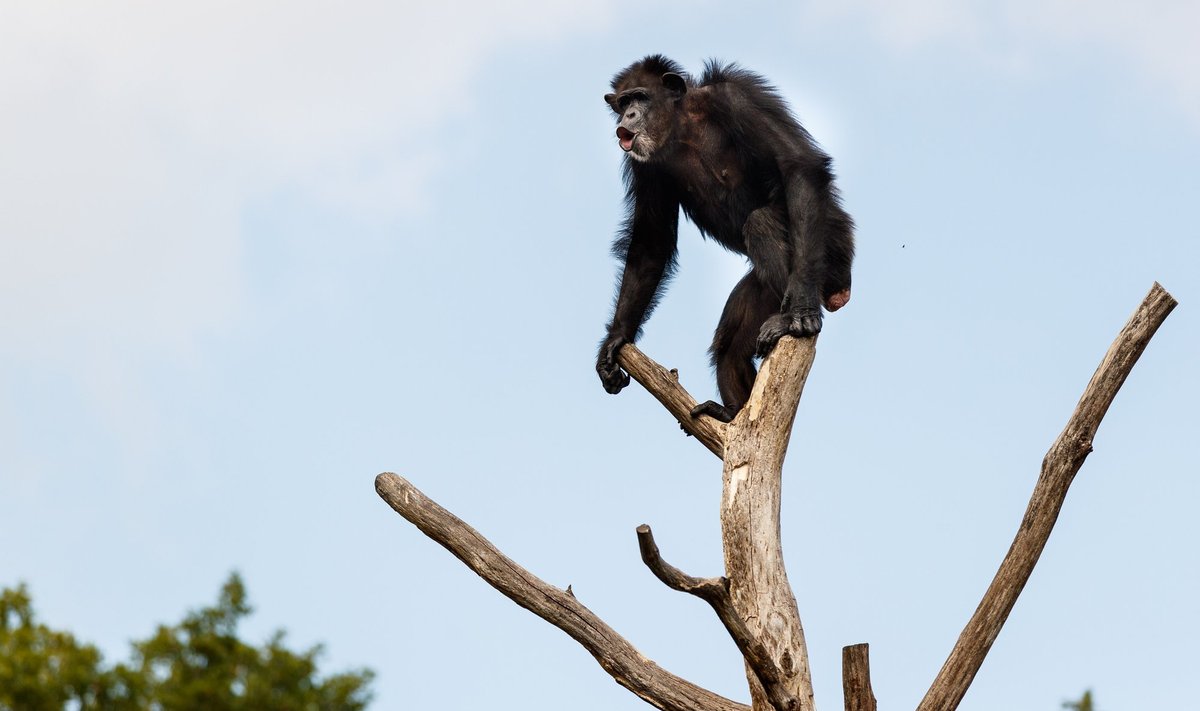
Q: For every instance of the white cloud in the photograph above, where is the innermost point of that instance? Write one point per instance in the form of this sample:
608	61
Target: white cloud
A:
133	134
1158	37
903	25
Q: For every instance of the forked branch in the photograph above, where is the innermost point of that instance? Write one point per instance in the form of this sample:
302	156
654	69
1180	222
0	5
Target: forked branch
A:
1059	467
753	447
715	591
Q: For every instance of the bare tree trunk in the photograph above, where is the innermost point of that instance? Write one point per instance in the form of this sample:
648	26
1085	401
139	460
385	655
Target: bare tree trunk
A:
754	599
756	442
754	446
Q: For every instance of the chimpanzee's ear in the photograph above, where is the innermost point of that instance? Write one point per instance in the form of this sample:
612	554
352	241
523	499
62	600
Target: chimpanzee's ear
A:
611	100
674	84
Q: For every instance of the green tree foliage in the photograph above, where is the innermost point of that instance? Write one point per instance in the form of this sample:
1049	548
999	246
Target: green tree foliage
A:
1084	704
199	664
41	668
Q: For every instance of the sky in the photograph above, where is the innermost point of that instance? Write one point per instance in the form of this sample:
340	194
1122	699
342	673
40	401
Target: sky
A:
252	254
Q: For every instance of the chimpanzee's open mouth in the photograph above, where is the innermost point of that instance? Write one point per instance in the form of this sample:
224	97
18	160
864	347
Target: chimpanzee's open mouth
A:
625	136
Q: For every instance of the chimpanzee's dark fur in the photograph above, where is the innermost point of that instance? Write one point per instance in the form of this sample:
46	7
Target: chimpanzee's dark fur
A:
727	150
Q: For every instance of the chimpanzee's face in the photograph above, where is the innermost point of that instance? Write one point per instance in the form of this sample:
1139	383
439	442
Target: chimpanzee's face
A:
646	110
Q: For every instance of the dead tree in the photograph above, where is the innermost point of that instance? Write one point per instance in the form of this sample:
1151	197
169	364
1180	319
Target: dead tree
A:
753	600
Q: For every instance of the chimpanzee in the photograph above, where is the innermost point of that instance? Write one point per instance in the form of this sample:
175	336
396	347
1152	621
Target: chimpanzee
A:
727	150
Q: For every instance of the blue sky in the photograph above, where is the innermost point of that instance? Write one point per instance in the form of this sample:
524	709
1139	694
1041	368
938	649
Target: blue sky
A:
254	253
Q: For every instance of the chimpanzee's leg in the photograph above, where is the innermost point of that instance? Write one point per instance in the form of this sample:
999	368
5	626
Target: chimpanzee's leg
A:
734	343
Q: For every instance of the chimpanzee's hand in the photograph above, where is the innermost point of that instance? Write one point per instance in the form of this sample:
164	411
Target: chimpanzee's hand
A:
791	323
611	375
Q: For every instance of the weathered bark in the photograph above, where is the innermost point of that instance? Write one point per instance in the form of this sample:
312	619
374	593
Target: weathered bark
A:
755	444
1059	467
615	654
856	678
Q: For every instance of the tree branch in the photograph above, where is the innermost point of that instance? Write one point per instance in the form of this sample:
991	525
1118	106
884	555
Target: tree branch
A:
614	653
664	385
856	678
1059	467
715	591
707	589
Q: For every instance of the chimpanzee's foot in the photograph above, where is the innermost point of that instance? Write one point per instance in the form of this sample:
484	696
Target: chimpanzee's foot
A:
714	410
798	324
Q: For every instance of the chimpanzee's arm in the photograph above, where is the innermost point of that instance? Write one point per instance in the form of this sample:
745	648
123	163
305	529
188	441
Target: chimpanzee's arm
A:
809	200
647	242
807	183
